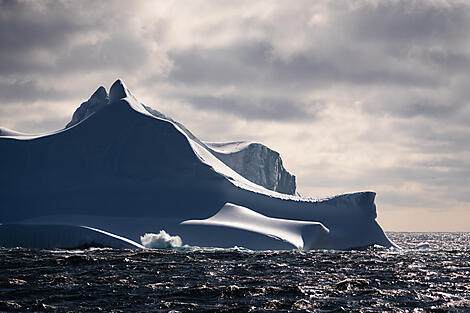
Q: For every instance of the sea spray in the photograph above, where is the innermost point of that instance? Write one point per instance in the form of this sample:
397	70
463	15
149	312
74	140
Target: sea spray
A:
162	240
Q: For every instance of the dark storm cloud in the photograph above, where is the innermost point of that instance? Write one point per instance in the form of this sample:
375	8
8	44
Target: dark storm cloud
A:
119	54
27	92
420	39
410	106
415	22
258	108
426	107
236	63
398	44
380	48
248	63
27	27
60	37
434	136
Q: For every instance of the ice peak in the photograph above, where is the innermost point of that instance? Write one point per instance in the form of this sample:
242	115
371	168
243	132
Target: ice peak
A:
100	93
97	101
98	98
118	91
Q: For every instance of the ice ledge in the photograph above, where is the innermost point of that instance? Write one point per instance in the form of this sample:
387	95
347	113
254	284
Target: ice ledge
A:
61	236
305	235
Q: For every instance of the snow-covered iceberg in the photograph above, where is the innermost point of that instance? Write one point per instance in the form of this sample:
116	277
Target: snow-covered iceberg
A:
120	170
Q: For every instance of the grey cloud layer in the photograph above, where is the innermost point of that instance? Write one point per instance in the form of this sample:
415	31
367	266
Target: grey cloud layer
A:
258	109
27	91
29	27
359	45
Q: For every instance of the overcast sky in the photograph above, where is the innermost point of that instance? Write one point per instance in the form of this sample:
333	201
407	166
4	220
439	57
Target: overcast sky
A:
355	95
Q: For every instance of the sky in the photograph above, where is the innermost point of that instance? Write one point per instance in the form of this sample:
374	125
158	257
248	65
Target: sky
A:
355	95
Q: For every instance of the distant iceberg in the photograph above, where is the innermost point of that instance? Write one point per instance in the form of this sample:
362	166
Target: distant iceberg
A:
121	171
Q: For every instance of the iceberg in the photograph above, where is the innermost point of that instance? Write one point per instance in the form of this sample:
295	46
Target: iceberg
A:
121	171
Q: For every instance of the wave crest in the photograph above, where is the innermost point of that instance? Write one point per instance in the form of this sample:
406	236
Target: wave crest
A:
162	240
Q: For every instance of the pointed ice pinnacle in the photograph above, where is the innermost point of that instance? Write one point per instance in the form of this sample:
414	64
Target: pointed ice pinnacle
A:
100	99
97	101
100	93
118	91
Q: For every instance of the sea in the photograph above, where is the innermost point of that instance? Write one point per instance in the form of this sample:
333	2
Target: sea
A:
430	273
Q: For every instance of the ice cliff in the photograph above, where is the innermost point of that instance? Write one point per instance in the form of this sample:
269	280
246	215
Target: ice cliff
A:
257	163
121	170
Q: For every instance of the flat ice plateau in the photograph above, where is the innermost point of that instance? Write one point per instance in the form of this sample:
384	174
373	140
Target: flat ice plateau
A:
121	173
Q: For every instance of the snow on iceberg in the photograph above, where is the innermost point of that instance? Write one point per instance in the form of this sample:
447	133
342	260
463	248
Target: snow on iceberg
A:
121	169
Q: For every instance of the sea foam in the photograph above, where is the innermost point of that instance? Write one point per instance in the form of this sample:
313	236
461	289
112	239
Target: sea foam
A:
161	240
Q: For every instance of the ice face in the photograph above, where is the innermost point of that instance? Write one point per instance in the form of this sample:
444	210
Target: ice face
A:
257	163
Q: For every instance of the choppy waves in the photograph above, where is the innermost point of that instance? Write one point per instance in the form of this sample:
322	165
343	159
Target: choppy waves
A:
214	280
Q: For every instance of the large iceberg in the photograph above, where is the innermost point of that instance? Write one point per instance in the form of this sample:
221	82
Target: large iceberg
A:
121	171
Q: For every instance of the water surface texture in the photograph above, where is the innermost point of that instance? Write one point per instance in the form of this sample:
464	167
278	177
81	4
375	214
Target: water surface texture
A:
434	278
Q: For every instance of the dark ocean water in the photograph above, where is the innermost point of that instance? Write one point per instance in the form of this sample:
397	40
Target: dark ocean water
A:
432	279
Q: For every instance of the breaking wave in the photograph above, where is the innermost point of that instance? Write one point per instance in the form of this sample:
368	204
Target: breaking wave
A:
162	240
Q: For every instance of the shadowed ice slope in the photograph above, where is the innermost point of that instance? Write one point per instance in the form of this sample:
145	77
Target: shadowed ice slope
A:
123	170
254	161
97	101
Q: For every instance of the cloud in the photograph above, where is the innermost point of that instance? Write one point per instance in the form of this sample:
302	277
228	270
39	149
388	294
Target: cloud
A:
437	137
277	109
411	22
36	126
18	91
29	31
50	38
